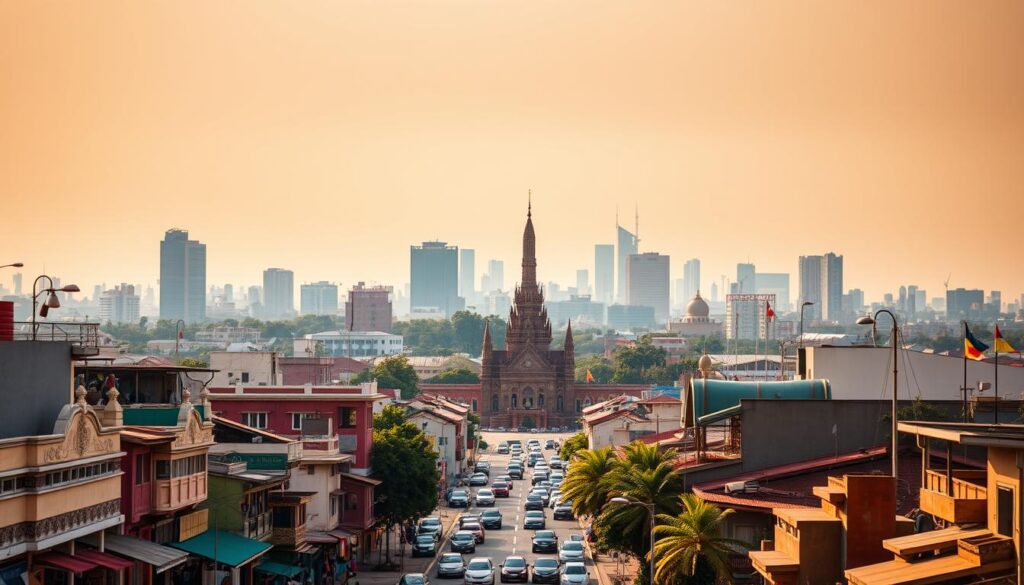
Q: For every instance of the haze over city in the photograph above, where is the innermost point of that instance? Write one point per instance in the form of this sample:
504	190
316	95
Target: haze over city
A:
326	138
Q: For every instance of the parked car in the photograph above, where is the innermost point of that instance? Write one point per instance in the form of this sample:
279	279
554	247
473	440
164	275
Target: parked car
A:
575	573
467	518
477	528
484	497
425	546
479	571
483	467
491	519
545	541
459	498
570	551
549	444
545	570
503	449
414	579
563	511
533	502
515	569
451	564
430	525
463	541
534	520
478	479
500	489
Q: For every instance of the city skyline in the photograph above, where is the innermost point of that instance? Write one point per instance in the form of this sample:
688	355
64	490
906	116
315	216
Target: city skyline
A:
783	112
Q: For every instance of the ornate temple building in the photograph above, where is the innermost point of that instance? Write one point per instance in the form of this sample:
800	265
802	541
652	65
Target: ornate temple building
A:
528	383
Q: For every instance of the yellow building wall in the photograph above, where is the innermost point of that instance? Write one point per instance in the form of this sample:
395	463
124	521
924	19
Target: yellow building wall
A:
1003	472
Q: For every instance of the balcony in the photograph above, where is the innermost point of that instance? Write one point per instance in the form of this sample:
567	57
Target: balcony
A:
962	499
83	337
179	492
293	537
258	527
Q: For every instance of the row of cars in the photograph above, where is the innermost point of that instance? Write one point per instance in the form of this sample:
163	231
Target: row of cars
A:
514	569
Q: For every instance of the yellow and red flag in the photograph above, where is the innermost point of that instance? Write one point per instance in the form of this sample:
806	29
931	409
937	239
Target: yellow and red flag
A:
1001	345
973	348
590	377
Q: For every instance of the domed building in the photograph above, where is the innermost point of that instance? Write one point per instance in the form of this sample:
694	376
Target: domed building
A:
696	321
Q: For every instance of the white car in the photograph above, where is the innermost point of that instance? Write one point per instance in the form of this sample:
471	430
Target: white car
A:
484	497
574	573
554	498
479	571
571	551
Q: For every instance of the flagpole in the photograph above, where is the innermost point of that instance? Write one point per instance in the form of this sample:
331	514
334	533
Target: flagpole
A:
964	388
997	380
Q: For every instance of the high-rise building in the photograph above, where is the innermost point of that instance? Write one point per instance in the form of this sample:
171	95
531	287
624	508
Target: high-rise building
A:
911	305
647	279
254	295
746	278
856	301
775	283
16	277
691	280
228	293
434	282
182	278
119	305
628	246
467	274
583	282
495	276
832	287
964	304
278	293
746	316
810	286
368	308
714	292
318	298
604	273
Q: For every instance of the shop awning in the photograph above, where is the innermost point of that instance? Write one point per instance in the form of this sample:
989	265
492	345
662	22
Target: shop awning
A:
156	555
103	559
224	547
281	569
320	538
62	561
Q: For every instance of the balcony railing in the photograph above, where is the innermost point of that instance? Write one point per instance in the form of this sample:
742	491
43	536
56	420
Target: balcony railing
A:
959	501
320	444
179	492
84	337
293	537
259	527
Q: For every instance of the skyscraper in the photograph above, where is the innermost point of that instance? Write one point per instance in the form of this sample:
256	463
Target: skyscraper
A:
368	308
647	278
604	273
832	287
495	275
434	282
964	303
119	305
810	285
182	277
467	274
16	277
583	282
318	298
278	293
776	283
691	280
628	244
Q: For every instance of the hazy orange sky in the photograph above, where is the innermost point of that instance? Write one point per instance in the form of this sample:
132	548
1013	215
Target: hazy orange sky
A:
326	137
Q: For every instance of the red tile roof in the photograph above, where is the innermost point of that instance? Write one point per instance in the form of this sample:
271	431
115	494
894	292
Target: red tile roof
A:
661	399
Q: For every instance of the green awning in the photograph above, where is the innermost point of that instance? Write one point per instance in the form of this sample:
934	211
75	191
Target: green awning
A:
278	569
224	547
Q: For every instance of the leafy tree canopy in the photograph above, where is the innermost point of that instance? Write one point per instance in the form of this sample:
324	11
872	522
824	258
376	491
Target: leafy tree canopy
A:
454	376
404	461
393	372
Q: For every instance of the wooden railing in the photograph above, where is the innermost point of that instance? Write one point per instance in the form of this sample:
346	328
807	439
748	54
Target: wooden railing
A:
258	527
963	489
179	492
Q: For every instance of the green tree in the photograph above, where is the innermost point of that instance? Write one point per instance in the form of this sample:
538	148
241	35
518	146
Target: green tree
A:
393	372
389	417
638	364
454	376
570	446
406	464
193	363
692	538
468	328
585	482
599	367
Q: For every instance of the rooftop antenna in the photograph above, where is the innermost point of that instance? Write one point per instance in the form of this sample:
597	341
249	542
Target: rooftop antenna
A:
636	228
946	284
529	203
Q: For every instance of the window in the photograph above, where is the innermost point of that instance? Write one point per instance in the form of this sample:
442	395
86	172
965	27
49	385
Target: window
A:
474	405
515	400
559	403
579	406
141	469
245	377
540	399
284	517
180	467
334	506
256	420
163	469
1005	511
351	502
494	403
346	417
298	417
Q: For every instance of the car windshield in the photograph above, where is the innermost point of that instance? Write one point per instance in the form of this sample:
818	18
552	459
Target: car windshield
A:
573	546
545	563
451	558
425	539
431	522
459	493
492	513
472	526
463	536
575	570
545	534
479	565
483	492
533	498
515	562
414	579
535	514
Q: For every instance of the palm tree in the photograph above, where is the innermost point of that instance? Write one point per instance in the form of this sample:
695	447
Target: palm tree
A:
584	484
693	538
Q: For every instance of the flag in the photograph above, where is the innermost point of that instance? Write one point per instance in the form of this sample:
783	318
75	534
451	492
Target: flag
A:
181	334
1001	345
769	313
973	348
590	377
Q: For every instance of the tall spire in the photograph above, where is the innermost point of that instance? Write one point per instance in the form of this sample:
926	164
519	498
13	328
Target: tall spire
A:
529	203
529	248
488	344
569	345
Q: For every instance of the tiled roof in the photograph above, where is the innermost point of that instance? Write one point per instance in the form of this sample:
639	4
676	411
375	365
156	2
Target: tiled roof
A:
661	399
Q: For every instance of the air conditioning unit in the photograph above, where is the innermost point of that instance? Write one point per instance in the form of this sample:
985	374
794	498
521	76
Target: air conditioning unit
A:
257	439
741	487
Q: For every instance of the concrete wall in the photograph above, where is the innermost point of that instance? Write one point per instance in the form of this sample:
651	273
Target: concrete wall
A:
865	373
322	481
259	365
35	381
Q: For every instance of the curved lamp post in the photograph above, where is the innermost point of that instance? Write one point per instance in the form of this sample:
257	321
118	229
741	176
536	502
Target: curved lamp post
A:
803	306
52	301
894	342
15	265
626	501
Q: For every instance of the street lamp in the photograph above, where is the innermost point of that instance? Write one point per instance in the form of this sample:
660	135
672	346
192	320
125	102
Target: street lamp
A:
627	501
15	265
179	332
803	306
52	301
894	342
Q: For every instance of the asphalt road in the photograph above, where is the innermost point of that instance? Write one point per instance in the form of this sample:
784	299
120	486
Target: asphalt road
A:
513	539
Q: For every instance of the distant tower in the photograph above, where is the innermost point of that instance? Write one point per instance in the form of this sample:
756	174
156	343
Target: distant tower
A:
17	283
182	278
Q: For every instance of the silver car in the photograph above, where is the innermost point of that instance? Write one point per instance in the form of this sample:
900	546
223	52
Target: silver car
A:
570	552
484	497
479	571
574	573
451	565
